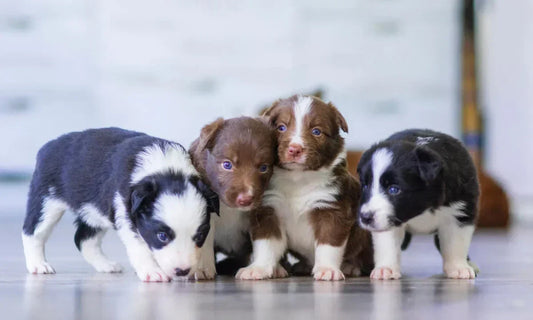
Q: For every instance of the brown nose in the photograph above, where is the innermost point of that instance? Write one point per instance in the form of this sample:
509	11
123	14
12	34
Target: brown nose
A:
295	150
244	199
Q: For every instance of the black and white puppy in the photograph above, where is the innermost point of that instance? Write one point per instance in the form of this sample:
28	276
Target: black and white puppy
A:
144	187
419	181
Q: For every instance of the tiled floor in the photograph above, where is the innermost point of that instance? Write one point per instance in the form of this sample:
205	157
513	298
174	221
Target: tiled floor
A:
503	290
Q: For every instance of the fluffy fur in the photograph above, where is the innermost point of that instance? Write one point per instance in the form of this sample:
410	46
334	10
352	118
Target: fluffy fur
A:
419	181
144	187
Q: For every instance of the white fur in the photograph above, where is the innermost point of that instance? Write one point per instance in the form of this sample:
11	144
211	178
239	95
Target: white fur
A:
301	108
428	221
266	256
94	217
378	201
387	250
205	267
155	159
91	250
139	253
183	215
420	141
52	210
328	261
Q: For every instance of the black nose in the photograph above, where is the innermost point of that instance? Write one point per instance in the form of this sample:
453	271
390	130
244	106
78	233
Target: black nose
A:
366	217
182	272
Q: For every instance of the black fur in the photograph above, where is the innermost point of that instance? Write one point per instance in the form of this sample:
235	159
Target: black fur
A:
91	166
429	175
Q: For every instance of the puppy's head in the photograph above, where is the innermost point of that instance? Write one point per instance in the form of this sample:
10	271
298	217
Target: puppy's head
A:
307	132
399	181
172	213
238	156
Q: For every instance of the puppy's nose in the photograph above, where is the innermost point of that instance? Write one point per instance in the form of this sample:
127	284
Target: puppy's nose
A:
367	217
295	150
244	199
182	272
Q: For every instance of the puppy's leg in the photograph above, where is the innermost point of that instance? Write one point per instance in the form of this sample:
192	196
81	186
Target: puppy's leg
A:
269	245
41	217
387	250
331	235
89	241
454	243
205	268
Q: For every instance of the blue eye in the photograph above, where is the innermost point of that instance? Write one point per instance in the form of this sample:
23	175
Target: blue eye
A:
163	237
263	168
227	165
316	132
365	187
282	128
393	190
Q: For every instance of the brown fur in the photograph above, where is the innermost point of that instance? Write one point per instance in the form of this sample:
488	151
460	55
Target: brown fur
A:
264	224
248	143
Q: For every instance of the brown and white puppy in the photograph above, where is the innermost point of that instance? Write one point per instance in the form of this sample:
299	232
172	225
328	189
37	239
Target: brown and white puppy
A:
311	204
235	157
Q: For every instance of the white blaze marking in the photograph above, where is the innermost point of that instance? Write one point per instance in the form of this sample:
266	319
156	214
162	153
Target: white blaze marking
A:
301	108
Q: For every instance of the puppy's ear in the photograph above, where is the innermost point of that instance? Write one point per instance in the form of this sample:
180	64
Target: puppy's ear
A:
141	193
209	133
341	122
271	113
211	197
429	164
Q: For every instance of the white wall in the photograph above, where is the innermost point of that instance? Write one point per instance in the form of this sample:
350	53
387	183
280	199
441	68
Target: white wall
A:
169	67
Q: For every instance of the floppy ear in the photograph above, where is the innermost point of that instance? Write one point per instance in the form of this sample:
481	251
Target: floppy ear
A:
211	197
209	133
140	193
429	164
341	122
271	113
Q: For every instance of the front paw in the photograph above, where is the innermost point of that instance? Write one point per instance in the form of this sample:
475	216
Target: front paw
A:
385	273
152	275
351	270
255	273
459	271
203	274
280	272
327	274
108	267
40	267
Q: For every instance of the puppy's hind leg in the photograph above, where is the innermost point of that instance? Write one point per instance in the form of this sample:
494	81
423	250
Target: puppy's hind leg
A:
42	214
454	244
89	241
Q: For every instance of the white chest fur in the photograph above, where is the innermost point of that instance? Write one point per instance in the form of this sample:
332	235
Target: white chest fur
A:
293	195
429	221
231	228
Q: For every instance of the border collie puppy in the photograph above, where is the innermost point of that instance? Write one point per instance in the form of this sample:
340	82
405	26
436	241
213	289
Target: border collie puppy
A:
419	181
144	187
236	157
311	203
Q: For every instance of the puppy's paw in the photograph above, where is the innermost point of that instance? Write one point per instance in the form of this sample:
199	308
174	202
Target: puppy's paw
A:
459	271
280	272
40	268
153	275
203	274
385	273
108	267
327	274
351	270
254	273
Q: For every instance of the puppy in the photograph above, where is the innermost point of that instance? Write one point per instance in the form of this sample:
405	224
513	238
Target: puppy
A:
236	157
311	203
144	187
419	181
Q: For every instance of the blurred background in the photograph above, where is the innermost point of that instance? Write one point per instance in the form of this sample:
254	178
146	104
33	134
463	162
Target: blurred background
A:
168	67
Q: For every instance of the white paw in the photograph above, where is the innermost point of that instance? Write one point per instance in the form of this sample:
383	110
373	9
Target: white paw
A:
327	274
108	267
153	275
385	273
254	273
459	271
280	272
203	274
40	268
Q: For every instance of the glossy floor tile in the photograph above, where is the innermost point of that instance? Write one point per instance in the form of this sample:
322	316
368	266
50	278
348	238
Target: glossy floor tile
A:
504	289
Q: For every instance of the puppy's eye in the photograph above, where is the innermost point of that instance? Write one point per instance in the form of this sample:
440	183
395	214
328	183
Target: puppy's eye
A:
263	168
282	128
365	187
316	132
393	190
226	165
163	237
